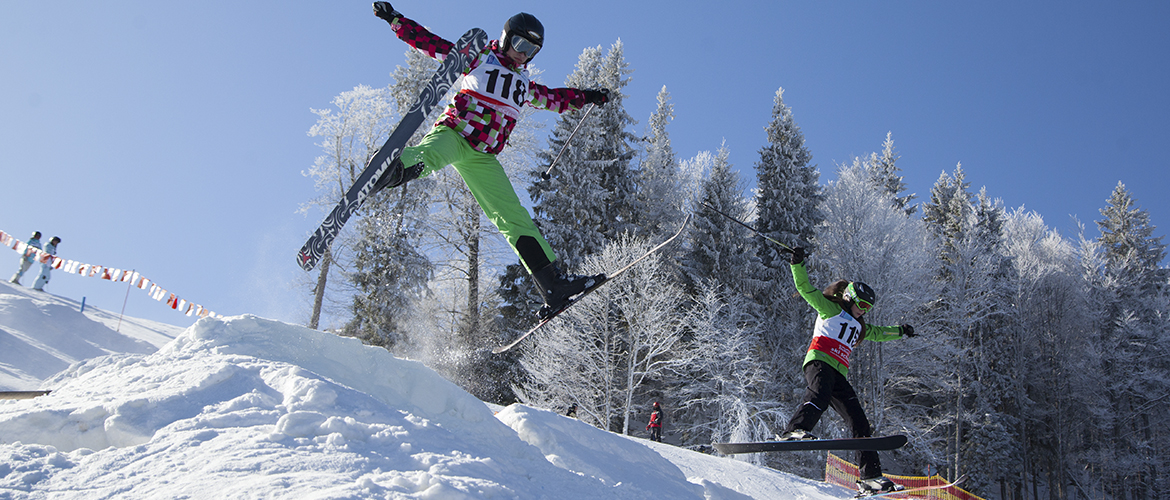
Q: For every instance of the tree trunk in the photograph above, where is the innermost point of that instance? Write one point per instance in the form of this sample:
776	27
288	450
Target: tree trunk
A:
319	290
472	273
958	426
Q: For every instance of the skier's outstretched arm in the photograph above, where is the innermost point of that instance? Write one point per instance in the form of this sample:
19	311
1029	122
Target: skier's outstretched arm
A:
413	33
566	99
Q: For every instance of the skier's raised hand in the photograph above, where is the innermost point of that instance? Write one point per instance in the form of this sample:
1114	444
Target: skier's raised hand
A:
907	331
386	11
798	255
598	96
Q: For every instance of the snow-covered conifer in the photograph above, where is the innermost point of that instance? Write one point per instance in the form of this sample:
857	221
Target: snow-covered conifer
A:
788	195
884	173
659	194
590	198
721	250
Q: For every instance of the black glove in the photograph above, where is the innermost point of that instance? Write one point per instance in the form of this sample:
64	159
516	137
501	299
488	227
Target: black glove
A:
907	331
798	255
598	97
386	11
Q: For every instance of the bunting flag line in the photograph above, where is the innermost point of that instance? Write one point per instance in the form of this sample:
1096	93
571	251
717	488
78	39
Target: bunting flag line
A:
131	277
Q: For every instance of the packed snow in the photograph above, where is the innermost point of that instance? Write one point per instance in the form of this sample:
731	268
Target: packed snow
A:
42	334
246	407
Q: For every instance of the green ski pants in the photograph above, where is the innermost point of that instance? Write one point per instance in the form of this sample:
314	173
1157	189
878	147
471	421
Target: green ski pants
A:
486	180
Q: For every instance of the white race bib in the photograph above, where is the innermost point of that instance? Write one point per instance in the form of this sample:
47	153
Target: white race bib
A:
836	336
497	86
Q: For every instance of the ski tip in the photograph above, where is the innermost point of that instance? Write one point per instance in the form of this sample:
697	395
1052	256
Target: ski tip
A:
306	261
23	394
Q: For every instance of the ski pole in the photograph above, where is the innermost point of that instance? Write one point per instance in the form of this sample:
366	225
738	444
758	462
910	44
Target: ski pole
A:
546	175
737	221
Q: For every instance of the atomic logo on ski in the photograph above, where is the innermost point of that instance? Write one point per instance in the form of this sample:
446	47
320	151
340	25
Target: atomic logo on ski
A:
454	63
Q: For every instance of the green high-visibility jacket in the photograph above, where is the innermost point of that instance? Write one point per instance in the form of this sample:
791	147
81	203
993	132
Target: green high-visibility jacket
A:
836	332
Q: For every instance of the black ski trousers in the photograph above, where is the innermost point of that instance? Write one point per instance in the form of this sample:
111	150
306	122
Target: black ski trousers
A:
827	387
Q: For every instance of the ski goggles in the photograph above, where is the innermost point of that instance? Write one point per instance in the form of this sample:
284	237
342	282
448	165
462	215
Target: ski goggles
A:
863	305
524	46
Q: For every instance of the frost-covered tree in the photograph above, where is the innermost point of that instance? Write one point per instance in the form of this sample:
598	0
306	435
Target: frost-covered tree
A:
1135	299
972	315
1133	254
390	270
787	195
659	194
787	210
602	353
390	275
351	132
590	199
720	396
948	208
979	294
866	238
721	250
1047	407
883	172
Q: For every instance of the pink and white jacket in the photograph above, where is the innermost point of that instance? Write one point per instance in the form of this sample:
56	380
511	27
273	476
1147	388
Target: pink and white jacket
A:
494	89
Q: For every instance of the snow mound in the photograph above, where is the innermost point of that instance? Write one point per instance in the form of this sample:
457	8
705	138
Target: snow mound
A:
245	407
42	334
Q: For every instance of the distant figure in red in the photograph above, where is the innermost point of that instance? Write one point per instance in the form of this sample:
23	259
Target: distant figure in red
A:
655	425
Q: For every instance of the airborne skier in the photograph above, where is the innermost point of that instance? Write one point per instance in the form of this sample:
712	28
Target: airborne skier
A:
840	326
475	128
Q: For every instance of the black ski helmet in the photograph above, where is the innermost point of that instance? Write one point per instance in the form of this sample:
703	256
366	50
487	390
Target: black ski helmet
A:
525	26
861	294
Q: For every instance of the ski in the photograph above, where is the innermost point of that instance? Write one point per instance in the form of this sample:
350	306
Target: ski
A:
882	443
22	394
466	49
915	489
578	297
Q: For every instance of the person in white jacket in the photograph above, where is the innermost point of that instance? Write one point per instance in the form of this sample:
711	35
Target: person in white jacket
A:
26	259
47	266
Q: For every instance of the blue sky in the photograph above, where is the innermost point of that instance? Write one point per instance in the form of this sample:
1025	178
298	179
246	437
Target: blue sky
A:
169	137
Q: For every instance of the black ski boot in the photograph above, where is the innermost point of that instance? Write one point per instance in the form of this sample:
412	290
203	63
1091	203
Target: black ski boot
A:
557	288
396	175
875	485
796	435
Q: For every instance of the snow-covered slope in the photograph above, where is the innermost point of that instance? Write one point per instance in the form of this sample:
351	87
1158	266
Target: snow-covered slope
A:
42	334
246	407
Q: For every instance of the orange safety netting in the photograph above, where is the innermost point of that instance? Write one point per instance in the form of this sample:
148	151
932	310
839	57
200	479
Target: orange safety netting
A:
843	473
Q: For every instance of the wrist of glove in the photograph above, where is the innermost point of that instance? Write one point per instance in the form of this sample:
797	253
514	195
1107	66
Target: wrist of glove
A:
596	96
907	331
386	11
798	255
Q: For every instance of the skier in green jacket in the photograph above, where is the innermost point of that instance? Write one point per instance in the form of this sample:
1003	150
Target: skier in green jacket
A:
840	326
